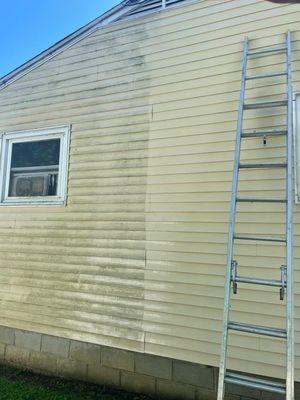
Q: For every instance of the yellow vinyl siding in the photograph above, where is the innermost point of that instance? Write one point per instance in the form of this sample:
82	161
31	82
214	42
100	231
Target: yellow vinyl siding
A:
191	147
137	257
78	271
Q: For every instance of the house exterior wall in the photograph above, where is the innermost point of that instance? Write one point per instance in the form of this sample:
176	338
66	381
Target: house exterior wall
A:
136	260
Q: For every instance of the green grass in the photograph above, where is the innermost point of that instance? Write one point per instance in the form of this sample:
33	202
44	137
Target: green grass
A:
17	384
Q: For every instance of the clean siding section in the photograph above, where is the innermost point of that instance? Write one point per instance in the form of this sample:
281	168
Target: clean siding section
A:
195	95
137	258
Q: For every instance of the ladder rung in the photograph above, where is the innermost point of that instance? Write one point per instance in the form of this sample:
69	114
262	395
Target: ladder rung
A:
263	165
258	281
266	50
257	330
260	200
256	383
265	104
269	75
260	238
273	132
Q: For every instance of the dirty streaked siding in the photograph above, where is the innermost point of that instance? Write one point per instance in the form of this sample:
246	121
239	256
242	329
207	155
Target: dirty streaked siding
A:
78	271
137	258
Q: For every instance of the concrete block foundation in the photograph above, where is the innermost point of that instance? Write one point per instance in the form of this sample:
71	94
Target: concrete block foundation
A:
162	377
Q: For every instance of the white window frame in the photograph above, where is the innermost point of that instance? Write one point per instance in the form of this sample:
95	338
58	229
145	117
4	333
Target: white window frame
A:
297	146
6	143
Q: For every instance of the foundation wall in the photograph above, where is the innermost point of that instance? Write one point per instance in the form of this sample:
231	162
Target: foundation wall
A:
158	376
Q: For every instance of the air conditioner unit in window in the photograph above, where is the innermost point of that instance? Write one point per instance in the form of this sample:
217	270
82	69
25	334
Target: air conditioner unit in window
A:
27	185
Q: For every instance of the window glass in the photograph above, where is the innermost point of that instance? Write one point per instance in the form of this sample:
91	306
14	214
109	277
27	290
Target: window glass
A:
34	168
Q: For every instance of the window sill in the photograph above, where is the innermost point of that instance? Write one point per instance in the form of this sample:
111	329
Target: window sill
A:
33	202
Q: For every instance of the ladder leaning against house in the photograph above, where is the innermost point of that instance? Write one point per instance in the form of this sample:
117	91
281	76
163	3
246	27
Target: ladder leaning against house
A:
232	278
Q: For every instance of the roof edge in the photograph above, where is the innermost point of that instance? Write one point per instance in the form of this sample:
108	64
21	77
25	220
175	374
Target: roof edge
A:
104	19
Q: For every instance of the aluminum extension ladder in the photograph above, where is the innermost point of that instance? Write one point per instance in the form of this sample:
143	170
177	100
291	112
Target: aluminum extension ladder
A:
232	277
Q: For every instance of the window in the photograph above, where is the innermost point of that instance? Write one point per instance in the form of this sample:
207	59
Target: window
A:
34	166
297	145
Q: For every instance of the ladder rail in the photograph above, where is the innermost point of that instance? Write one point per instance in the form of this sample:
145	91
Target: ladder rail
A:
289	231
222	370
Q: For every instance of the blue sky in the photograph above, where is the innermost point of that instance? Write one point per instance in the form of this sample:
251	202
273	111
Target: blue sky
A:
30	26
